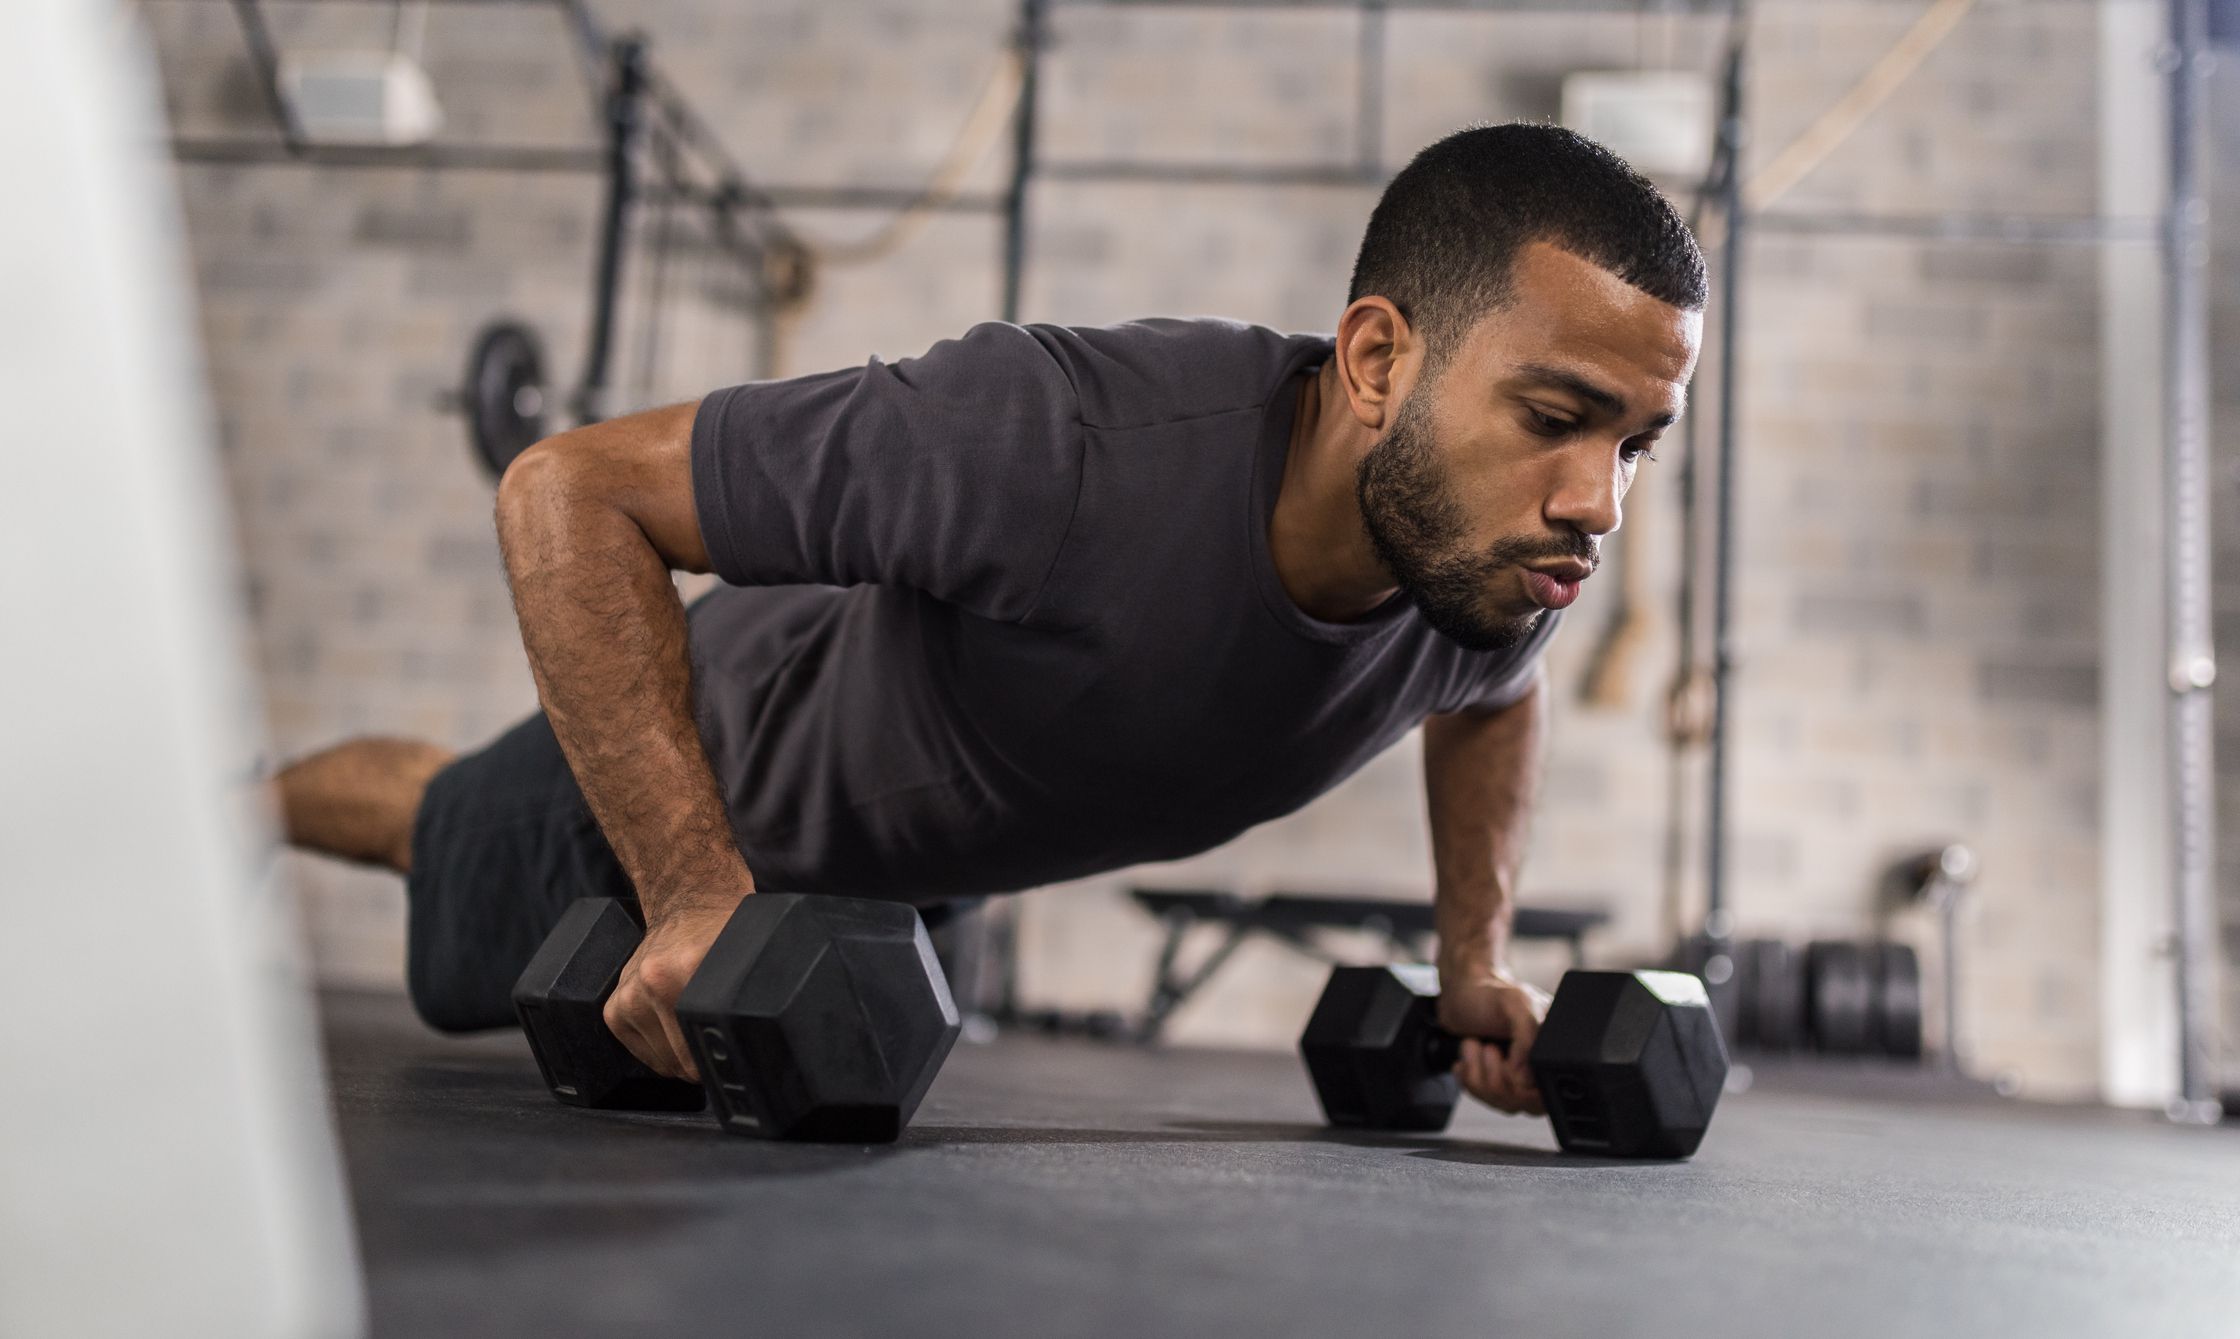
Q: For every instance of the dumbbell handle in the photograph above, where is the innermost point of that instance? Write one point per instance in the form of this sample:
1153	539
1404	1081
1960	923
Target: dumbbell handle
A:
1441	1048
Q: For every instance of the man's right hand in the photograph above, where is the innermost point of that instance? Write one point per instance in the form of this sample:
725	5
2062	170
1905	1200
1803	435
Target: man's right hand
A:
642	1012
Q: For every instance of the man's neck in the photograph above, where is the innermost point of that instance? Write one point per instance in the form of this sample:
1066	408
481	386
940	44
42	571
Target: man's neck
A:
1316	540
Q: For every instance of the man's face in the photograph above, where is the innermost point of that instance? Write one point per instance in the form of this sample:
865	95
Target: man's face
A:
1516	454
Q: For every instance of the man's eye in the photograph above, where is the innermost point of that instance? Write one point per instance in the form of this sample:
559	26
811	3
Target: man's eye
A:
1548	425
1635	451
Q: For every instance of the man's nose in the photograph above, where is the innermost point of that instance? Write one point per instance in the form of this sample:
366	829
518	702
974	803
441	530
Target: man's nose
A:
1588	500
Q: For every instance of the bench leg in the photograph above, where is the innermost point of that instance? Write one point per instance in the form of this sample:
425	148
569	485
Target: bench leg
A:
1168	992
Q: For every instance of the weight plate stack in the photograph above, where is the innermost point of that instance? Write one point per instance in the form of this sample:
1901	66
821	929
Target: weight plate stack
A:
1743	1034
1897	1001
1772	975
1715	964
1840	997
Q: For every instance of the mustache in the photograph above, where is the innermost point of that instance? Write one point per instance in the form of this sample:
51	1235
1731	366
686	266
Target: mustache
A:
1519	552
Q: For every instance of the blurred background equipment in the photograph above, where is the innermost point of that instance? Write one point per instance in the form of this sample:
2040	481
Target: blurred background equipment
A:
659	153
350	97
505	396
166	1162
1661	121
359	97
1939	879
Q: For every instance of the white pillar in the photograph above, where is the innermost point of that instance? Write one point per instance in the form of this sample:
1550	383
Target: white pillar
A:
2138	988
166	1164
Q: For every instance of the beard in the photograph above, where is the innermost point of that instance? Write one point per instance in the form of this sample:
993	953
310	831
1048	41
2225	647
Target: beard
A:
1418	527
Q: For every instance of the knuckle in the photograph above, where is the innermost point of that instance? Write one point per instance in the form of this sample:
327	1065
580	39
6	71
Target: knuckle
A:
664	978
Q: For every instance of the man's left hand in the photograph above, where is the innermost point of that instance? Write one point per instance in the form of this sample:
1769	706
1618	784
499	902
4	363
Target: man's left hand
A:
1486	1006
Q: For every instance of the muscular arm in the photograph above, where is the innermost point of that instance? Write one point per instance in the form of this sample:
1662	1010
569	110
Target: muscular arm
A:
1480	773
591	523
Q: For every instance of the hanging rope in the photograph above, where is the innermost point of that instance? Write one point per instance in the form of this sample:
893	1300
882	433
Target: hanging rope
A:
1846	114
1808	150
990	114
791	281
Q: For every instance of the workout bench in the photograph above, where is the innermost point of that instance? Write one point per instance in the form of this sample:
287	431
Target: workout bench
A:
1294	918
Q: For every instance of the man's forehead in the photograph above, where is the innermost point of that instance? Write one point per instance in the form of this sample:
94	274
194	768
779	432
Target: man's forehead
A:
1567	313
1549	271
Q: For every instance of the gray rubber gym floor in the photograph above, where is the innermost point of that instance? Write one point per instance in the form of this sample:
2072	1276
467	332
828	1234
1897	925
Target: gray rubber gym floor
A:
1056	1188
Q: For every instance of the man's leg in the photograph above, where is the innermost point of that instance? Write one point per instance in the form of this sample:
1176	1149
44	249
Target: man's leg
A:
358	799
494	844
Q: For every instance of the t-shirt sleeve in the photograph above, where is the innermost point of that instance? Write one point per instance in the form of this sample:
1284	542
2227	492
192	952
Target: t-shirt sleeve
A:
1507	677
954	473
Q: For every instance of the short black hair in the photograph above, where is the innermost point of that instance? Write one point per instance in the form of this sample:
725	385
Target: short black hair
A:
1442	239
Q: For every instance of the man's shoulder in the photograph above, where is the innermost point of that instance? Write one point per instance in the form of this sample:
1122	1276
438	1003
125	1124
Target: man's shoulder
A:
1169	369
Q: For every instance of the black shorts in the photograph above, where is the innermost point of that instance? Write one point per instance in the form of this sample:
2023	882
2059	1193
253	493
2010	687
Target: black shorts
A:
504	842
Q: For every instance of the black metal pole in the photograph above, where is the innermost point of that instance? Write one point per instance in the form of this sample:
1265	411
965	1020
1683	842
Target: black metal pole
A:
624	107
590	39
1716	924
1368	124
1680	747
1032	14
266	59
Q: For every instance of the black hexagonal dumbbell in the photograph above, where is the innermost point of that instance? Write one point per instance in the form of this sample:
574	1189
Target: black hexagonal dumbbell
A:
561	1000
810	1017
819	1017
1630	1064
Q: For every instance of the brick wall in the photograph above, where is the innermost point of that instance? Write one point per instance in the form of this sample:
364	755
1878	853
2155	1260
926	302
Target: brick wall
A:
1917	601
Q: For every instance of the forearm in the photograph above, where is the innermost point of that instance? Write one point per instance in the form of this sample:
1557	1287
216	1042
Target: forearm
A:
605	635
1480	776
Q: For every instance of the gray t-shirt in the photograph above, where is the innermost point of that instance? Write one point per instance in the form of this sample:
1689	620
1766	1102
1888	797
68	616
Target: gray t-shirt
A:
1045	637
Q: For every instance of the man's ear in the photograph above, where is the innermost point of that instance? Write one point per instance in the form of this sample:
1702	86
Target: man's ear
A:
1379	355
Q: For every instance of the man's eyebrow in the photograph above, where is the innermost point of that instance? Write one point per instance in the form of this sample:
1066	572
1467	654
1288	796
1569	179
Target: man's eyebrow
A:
1601	397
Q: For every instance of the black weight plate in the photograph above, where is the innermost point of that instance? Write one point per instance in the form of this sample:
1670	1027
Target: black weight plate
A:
1714	962
561	999
1774	1005
1372	1048
1744	1032
1897	1001
1840	995
505	393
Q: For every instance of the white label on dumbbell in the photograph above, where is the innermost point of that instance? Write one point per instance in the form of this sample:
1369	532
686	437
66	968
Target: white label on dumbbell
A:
1420	977
1674	987
737	1109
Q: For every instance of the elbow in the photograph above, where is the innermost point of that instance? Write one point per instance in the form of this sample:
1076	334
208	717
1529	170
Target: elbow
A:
533	487
541	512
609	485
